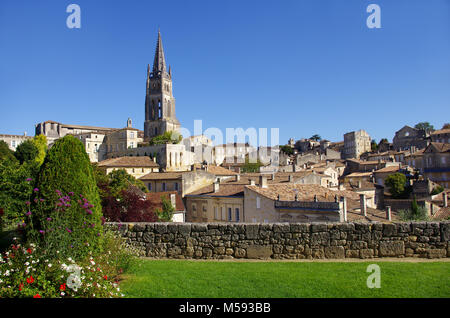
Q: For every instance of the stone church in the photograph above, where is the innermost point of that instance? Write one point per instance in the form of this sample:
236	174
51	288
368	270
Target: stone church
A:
159	101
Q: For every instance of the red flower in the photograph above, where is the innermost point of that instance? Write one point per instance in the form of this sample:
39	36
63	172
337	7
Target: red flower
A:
37	296
30	280
63	287
20	286
105	277
29	251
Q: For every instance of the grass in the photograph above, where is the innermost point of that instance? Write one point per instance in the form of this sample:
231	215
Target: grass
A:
215	279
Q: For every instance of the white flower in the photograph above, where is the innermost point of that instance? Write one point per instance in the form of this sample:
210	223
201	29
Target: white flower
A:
7	272
26	264
49	265
62	293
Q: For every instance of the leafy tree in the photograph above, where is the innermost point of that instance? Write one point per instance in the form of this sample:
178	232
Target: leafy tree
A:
287	149
5	152
425	126
26	151
374	145
251	167
315	137
129	208
119	180
165	215
396	184
67	170
40	141
169	137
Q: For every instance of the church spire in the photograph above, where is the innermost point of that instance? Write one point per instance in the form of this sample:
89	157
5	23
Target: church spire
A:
159	63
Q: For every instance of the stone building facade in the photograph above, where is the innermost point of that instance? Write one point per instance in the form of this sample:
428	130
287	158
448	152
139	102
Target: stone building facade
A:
14	140
356	143
436	163
408	137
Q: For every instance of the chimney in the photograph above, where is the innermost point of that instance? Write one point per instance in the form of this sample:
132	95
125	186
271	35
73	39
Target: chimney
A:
445	199
359	184
363	205
129	123
388	213
344	208
263	181
252	182
173	200
216	185
154	159
238	177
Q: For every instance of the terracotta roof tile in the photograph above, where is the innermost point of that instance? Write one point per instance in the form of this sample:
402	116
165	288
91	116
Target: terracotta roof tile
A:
220	171
140	162
156	199
162	176
224	190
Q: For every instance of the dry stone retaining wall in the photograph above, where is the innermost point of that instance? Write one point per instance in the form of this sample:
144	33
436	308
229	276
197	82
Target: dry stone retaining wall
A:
288	240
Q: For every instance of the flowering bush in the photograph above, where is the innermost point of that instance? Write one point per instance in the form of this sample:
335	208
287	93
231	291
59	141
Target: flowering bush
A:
27	271
70	229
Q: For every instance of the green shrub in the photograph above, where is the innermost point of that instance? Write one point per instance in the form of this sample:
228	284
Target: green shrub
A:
40	141
67	193
6	154
165	214
26	151
16	186
415	213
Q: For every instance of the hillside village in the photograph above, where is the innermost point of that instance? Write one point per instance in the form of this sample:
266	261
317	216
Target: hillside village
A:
306	180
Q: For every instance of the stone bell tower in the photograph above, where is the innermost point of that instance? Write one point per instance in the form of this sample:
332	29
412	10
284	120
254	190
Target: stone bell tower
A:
159	101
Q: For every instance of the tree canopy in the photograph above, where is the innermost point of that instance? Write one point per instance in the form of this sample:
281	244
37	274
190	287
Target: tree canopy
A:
396	184
425	126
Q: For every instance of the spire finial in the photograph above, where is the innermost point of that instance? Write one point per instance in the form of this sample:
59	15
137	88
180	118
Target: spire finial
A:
159	63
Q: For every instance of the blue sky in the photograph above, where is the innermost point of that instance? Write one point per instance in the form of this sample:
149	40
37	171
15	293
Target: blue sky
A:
305	67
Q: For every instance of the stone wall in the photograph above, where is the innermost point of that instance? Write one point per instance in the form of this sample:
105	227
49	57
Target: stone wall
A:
288	241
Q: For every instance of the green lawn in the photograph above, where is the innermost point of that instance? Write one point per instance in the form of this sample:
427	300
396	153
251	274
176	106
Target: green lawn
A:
211	279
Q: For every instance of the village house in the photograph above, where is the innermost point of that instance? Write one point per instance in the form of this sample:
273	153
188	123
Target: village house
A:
135	166
380	175
436	163
179	213
269	203
408	137
442	135
14	140
216	203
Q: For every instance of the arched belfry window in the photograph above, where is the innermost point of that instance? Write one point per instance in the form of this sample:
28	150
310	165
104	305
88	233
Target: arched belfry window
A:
159	109
153	109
